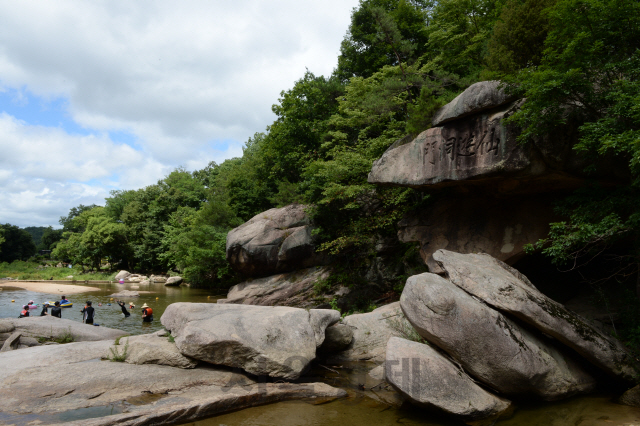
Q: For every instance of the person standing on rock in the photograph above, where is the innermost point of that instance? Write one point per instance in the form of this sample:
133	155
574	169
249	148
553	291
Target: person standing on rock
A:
147	313
56	311
87	313
124	308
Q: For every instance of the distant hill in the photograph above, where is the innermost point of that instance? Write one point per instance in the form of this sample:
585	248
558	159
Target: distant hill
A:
36	233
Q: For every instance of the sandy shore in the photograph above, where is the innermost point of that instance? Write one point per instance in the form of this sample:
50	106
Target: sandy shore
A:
51	288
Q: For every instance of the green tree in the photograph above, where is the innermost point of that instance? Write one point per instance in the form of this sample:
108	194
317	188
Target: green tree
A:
366	48
590	75
67	222
17	245
50	238
518	36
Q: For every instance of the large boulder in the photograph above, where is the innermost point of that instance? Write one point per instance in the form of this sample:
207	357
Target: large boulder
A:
428	379
262	340
338	337
489	280
491	347
371	331
477	98
320	319
50	327
274	241
122	275
501	191
287	289
172	281
150	349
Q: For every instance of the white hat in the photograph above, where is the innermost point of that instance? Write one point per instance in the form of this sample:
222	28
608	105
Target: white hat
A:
144	306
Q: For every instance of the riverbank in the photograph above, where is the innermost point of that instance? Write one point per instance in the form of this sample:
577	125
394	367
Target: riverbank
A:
52	288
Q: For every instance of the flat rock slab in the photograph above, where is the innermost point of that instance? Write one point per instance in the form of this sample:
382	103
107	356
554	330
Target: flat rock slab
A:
276	341
206	401
371	331
150	349
60	356
92	384
487	279
489	346
49	326
288	289
427	378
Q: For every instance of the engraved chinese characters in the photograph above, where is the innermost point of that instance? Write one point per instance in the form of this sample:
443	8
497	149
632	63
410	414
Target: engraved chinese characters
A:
465	145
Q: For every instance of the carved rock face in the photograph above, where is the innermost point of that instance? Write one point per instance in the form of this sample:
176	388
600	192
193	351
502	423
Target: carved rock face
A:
479	146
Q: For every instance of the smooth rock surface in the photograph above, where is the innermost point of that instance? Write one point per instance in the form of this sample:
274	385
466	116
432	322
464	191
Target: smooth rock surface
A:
151	349
338	337
631	397
476	98
486	279
262	340
173	281
200	402
477	147
122	275
371	331
49	327
274	241
288	289
490	347
27	359
12	343
429	379
320	319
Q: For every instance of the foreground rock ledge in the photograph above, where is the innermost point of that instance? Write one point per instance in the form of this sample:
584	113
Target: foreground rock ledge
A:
207	401
429	379
487	279
52	327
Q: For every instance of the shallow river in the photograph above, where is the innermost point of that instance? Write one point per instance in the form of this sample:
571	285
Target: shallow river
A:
360	408
158	298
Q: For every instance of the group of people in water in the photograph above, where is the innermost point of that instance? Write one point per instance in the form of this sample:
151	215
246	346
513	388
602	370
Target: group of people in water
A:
88	311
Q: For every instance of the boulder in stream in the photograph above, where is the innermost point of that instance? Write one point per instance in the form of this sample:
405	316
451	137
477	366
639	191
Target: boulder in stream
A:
276	341
428	379
490	346
500	287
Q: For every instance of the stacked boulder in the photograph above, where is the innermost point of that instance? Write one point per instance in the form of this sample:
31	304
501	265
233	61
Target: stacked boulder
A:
275	250
486	324
494	194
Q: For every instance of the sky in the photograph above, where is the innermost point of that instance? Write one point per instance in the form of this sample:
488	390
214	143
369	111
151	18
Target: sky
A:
97	96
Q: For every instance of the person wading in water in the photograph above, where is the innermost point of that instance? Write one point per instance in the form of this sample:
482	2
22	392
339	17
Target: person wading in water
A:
87	313
124	309
147	313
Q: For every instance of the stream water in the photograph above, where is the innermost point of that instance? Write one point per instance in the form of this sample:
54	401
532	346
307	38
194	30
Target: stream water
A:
157	296
372	406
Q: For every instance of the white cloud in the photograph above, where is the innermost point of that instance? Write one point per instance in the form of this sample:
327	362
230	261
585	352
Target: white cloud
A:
190	80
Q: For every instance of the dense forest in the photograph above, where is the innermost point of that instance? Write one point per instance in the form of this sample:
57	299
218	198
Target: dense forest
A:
399	62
